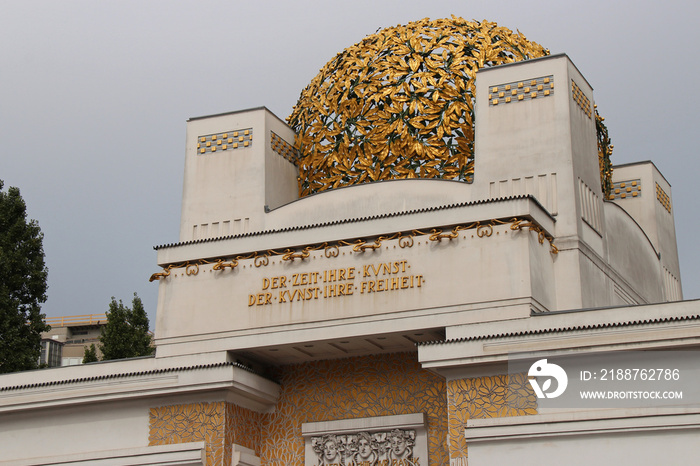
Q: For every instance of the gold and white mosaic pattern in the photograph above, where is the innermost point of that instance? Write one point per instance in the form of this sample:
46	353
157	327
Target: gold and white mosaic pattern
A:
519	91
582	101
663	198
626	189
283	148
228	140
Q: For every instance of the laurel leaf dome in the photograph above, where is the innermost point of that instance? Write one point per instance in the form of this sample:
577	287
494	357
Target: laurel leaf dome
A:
399	104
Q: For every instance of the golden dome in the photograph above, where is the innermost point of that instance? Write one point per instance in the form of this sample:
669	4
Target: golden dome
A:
399	104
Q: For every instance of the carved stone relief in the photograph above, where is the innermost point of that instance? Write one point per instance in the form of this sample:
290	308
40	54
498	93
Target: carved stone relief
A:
380	448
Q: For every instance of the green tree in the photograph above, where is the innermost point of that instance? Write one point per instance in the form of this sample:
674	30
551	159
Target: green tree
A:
90	354
22	285
126	333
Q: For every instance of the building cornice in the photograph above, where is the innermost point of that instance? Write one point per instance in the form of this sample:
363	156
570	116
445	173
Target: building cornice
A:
231	380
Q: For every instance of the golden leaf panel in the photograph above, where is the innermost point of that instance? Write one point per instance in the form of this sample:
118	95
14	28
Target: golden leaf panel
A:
218	424
380	385
582	101
399	104
358	246
485	397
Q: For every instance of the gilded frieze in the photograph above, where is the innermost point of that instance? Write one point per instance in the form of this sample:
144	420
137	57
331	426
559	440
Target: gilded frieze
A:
484	229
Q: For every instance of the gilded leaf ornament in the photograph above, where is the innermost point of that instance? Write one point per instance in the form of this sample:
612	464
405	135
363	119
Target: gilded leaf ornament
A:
400	104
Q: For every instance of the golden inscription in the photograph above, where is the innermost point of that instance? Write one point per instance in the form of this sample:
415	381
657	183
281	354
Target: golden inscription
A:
335	283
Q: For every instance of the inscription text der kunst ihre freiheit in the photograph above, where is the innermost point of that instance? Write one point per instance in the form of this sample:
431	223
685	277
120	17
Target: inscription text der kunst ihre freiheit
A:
394	276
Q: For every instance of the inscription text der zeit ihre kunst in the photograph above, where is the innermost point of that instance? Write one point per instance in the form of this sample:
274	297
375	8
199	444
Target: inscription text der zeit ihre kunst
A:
394	276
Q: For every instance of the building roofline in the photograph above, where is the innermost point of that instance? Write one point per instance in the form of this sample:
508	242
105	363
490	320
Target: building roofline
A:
356	220
641	162
530	60
245	110
121	375
572	328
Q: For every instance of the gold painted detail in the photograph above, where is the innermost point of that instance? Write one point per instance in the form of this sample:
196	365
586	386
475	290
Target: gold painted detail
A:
580	98
359	246
626	189
541	234
399	104
352	388
283	148
520	91
663	198
605	149
218	424
333	283
291	255
485	397
229	140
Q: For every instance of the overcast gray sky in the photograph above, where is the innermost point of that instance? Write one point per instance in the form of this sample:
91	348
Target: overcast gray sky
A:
94	96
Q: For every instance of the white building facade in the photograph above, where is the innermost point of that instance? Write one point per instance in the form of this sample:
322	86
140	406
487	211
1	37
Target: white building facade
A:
375	323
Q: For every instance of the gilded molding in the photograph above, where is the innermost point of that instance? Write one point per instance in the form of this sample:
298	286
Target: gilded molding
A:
405	239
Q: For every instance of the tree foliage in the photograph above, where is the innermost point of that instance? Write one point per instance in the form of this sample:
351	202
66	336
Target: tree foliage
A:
90	354
22	285
126	333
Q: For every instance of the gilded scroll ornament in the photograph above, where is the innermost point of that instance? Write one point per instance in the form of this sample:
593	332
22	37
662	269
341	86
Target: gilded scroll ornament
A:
362	245
261	260
221	265
331	250
436	234
290	254
484	230
405	241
